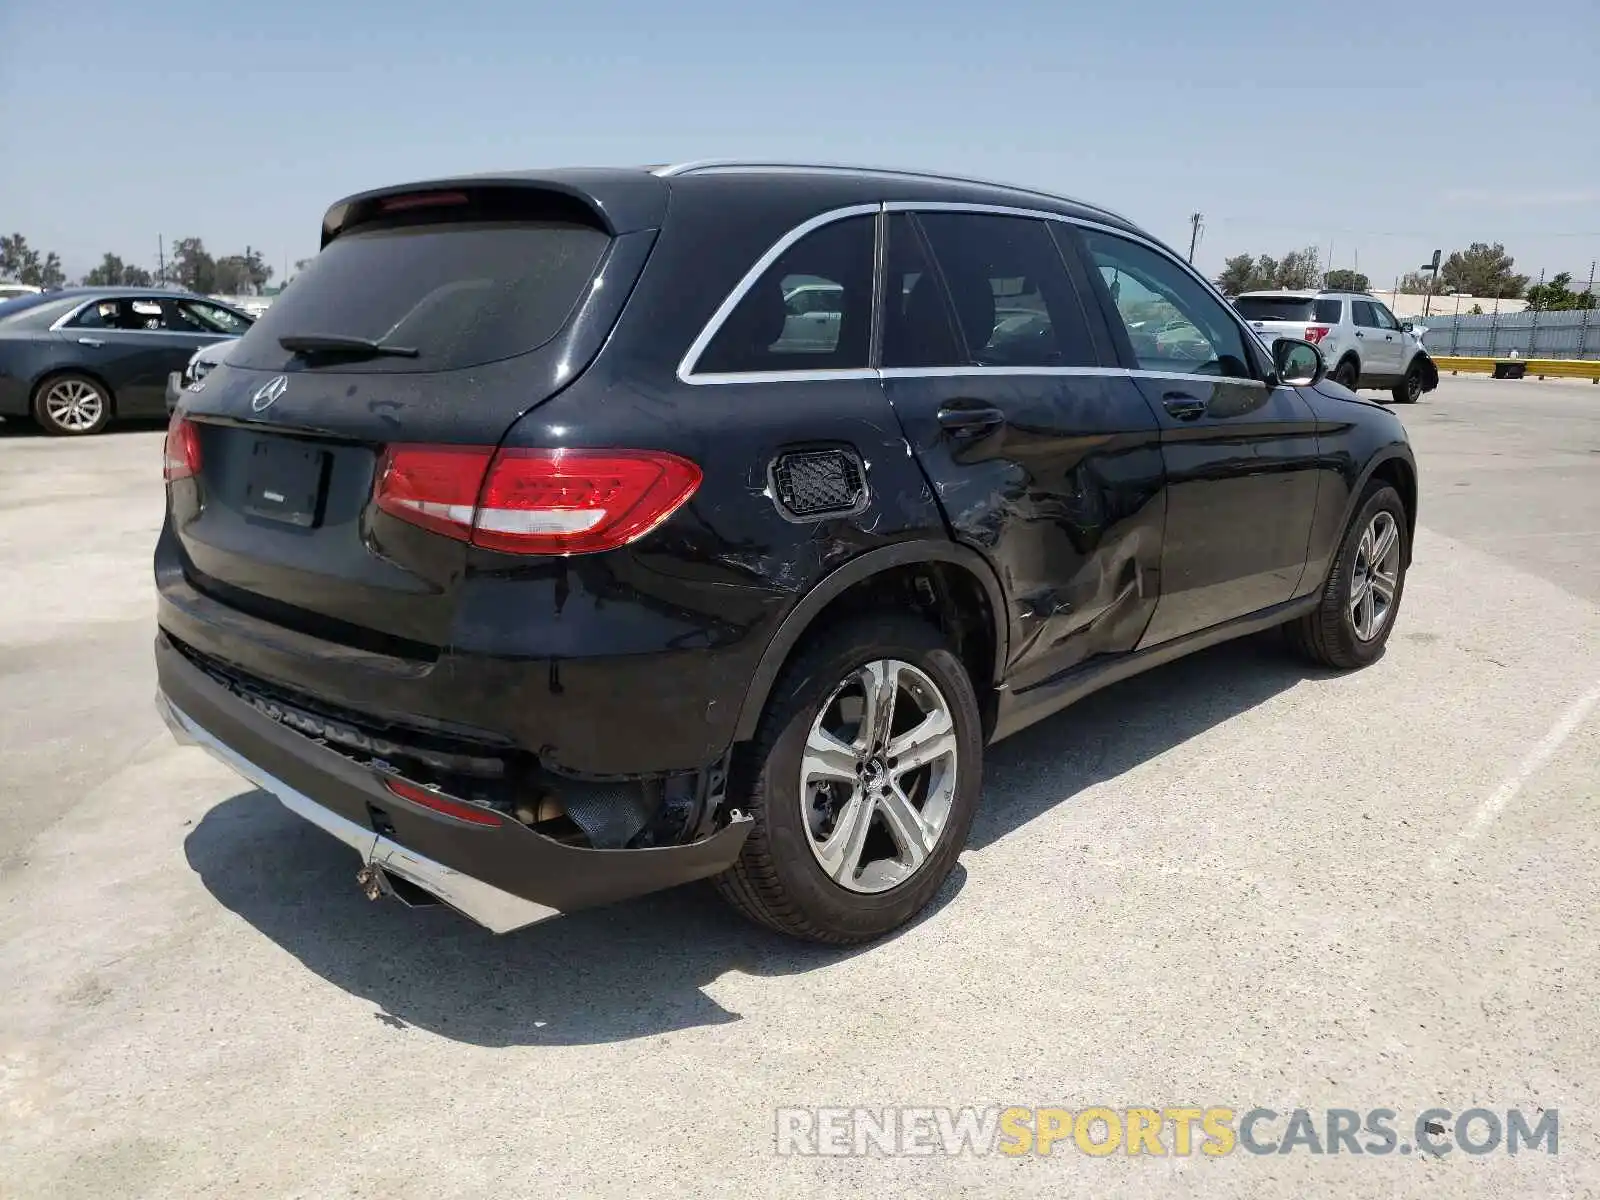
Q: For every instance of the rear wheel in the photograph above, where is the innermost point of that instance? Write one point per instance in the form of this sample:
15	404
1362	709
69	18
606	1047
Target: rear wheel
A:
1347	373
863	780
1361	597
1409	389
71	406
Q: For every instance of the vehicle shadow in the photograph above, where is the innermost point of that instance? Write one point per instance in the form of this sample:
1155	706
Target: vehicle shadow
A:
641	968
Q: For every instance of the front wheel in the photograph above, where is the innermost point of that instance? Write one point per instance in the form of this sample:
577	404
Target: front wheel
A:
864	778
1361	597
71	406
1409	389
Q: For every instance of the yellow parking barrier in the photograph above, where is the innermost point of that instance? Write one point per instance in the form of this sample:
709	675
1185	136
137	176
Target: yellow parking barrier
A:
1536	368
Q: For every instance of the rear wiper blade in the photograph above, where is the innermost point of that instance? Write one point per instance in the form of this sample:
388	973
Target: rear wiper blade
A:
334	343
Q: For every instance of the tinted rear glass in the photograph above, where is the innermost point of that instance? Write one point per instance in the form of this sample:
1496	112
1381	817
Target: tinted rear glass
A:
1273	308
460	294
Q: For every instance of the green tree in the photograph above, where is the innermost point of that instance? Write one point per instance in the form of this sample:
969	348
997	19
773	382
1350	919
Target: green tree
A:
22	263
1344	280
1237	272
191	267
113	272
1483	270
241	274
1246	273
1557	295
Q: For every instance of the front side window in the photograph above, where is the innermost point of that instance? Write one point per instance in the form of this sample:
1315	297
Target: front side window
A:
1385	317
1173	322
191	316
810	310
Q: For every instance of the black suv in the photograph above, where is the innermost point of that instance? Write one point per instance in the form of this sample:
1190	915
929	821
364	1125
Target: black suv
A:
560	537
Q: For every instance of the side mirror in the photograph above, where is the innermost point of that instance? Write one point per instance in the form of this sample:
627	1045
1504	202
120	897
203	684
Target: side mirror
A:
1299	364
1406	325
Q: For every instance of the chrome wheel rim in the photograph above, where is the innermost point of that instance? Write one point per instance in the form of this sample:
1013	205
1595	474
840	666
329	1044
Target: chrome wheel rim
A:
1375	580
73	404
1413	385
878	776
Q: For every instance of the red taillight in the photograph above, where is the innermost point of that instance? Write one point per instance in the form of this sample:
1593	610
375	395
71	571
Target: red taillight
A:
461	811
181	455
535	501
1315	333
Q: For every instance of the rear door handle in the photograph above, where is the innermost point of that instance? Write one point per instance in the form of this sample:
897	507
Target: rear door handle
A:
1183	406
1359	334
90	342
968	422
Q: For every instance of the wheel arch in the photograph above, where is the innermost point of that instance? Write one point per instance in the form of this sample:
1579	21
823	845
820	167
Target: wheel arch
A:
1400	472
875	579
1430	369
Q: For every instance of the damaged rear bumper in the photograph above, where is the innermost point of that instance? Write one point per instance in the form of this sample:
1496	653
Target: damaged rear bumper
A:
503	877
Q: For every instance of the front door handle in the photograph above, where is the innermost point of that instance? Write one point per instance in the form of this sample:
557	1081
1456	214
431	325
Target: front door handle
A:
1183	406
90	342
969	422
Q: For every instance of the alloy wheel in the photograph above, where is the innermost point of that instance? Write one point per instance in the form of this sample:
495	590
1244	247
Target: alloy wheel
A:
74	405
1375	579
878	776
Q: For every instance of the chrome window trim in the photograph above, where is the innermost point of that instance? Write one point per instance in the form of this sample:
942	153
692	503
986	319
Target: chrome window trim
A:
686	365
1079	372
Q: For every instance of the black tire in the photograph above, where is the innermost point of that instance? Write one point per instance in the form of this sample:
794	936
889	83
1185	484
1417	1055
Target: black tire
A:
93	389
1409	389
777	880
1327	634
1347	373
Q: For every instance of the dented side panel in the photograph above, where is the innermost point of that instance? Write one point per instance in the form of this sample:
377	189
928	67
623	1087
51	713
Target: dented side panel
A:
1065	499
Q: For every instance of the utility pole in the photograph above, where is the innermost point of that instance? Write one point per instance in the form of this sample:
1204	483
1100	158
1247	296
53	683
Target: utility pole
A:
161	260
1194	232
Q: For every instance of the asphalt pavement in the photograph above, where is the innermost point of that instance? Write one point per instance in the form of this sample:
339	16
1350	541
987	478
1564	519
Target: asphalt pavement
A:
1233	882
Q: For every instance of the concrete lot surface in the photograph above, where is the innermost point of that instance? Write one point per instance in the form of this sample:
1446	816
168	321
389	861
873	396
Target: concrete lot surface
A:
1234	881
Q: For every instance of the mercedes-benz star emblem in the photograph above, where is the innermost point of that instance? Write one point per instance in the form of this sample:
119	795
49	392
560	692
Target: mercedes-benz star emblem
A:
268	393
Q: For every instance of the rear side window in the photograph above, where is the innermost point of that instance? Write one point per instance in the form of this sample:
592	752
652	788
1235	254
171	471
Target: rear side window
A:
1363	315
1014	304
811	310
1328	311
459	294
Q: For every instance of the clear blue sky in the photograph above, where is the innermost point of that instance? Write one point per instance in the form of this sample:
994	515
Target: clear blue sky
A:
1285	123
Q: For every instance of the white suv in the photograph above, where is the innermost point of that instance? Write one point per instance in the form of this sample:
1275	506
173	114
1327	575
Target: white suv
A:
1362	343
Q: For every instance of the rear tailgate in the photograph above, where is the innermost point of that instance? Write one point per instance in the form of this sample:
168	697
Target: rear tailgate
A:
1273	316
475	309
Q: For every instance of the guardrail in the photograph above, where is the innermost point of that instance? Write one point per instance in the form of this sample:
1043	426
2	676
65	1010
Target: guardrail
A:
1540	368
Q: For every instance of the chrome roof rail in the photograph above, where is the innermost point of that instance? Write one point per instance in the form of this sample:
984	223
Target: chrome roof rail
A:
732	165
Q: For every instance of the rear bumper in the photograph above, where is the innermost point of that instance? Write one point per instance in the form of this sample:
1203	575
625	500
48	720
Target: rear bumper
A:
503	877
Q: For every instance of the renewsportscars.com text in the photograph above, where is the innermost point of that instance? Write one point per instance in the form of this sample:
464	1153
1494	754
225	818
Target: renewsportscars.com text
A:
1099	1131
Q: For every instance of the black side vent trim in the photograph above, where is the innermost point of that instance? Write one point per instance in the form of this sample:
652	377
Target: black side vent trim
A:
813	485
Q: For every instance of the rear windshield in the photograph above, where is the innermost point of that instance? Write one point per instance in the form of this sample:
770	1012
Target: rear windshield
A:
36	311
1287	308
460	295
